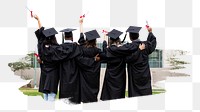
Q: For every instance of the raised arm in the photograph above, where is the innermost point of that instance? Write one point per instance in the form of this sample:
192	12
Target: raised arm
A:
38	19
55	53
81	40
134	56
151	42
38	32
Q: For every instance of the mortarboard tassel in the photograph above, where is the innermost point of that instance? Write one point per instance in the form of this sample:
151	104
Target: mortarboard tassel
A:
63	37
124	38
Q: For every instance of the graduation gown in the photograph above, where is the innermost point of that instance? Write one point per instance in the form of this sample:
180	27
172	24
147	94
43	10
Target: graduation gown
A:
89	75
115	77
139	76
49	71
69	74
70	56
40	38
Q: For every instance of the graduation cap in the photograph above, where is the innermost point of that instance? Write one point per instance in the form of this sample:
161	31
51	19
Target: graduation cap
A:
133	29
49	32
68	32
114	34
134	32
91	35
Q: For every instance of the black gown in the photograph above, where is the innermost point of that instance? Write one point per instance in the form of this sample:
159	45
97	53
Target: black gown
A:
115	77
139	76
70	56
69	74
49	77
89	75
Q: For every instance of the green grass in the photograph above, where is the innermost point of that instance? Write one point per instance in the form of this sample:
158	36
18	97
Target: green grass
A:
34	92
155	91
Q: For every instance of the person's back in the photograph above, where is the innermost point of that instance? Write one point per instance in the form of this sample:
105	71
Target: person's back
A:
139	76
90	75
115	75
49	78
69	74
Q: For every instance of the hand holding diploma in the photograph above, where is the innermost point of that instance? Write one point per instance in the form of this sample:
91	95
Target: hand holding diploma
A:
105	34
38	19
36	55
81	25
149	29
147	24
83	16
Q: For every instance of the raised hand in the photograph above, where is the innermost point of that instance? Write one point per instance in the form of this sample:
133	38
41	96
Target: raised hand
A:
36	17
81	20
149	29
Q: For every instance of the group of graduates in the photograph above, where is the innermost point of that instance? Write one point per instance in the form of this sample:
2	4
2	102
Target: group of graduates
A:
75	67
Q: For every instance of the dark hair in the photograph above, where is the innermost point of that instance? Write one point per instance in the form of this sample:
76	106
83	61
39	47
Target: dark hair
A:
115	41
51	41
91	43
133	36
68	34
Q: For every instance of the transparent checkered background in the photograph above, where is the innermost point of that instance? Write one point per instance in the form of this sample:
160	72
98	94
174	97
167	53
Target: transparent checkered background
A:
176	24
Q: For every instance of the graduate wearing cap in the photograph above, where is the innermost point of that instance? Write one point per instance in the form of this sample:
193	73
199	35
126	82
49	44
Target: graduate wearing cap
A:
115	76
139	76
69	73
89	75
49	71
70	56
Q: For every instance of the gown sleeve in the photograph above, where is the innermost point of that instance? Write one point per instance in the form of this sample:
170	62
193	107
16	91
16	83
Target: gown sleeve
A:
123	50
150	44
126	49
56	53
133	57
40	36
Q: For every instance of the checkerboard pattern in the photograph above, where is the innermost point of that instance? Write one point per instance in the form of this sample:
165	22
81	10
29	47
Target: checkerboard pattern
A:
175	23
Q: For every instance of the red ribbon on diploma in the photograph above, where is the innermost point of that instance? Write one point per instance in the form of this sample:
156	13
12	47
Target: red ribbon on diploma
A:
30	11
36	55
83	16
104	31
147	25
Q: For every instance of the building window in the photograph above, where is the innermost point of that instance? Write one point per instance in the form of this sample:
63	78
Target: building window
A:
34	61
155	59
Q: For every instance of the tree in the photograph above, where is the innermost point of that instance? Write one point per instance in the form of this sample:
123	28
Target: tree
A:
175	62
24	63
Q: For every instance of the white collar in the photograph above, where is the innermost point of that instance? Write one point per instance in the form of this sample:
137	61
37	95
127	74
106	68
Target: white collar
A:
136	40
68	41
